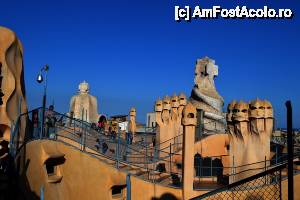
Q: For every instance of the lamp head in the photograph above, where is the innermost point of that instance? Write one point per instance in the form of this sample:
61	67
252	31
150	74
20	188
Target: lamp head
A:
39	78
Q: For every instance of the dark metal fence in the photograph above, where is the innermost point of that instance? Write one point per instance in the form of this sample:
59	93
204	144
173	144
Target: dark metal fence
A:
265	185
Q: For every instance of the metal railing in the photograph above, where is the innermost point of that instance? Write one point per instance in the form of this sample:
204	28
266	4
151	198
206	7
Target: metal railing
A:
115	147
212	167
264	185
82	135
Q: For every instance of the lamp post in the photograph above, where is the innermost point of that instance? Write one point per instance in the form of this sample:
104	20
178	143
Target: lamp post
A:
40	79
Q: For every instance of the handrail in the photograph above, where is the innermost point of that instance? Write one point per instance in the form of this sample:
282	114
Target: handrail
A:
240	182
82	132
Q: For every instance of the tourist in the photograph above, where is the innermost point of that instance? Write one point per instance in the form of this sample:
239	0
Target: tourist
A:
35	122
50	122
109	131
104	147
128	139
113	134
98	125
114	129
101	143
101	123
153	141
71	115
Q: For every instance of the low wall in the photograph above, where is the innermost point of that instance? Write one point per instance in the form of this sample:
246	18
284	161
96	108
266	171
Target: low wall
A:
83	176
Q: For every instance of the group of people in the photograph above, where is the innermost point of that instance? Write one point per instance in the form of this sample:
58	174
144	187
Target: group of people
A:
129	137
49	122
110	129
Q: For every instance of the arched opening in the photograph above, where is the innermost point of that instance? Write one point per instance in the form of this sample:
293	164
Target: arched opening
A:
118	191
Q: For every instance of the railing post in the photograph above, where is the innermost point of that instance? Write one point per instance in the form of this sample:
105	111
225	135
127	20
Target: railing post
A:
11	141
290	150
128	184
42	134
280	183
146	161
118	148
233	168
126	145
174	142
265	169
16	135
84	137
82	131
55	131
155	153
42	193
74	122
211	174
170	156
276	157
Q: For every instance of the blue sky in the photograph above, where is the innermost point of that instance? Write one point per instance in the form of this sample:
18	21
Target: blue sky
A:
132	52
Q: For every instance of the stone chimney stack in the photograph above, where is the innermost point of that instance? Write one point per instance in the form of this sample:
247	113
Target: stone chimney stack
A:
189	121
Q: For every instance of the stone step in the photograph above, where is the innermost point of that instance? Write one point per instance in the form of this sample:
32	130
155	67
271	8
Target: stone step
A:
110	162
164	179
141	172
126	168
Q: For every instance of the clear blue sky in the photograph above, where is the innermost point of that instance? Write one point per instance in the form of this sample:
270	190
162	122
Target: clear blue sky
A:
132	52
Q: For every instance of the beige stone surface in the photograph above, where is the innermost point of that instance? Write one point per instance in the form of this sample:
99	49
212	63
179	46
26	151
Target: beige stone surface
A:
12	84
164	121
189	121
83	176
250	127
182	103
83	105
168	114
205	96
89	177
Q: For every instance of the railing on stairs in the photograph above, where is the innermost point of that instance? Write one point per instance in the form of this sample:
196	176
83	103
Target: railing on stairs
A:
131	157
82	135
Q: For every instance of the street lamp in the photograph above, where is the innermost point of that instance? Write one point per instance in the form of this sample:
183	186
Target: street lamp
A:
40	79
